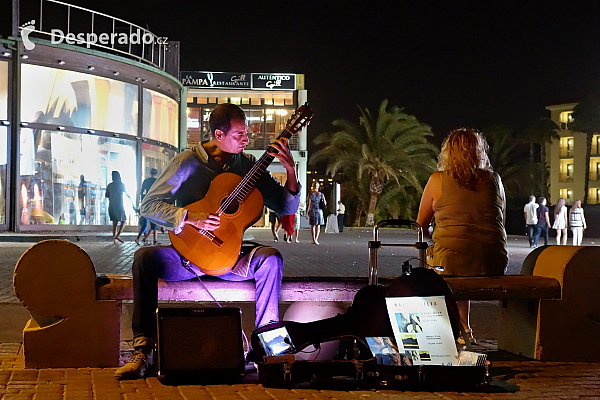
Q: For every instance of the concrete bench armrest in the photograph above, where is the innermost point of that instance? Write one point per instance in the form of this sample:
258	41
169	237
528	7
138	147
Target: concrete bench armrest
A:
504	287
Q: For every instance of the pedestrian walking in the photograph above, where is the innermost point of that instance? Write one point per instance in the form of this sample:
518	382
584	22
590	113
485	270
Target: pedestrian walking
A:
147	227
577	222
116	209
275	223
560	222
531	219
341	210
543	223
300	212
314	213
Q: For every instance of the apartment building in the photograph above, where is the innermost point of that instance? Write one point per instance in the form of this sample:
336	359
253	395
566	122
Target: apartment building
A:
566	158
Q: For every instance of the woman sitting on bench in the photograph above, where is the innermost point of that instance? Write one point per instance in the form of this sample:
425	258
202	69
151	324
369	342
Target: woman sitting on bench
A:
466	199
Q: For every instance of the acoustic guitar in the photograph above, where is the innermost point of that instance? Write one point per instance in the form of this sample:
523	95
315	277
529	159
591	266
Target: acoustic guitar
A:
238	204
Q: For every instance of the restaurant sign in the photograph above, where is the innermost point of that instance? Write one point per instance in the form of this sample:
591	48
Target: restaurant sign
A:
274	81
238	80
219	80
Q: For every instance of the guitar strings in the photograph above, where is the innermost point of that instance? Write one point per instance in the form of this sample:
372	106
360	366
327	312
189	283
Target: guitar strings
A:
254	174
261	165
251	177
243	188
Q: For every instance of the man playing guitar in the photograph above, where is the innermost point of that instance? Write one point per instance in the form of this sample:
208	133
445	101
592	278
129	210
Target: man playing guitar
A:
185	180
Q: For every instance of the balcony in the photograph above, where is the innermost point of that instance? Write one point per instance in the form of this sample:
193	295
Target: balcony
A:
565	178
566	152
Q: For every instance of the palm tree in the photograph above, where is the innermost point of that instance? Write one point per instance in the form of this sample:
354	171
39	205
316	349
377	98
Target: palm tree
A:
392	147
505	154
541	131
586	119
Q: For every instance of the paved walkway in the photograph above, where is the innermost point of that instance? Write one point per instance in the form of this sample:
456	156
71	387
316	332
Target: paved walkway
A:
342	255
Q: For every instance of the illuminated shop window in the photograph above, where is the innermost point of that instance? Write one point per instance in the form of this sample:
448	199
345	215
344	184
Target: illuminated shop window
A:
193	127
69	98
60	185
3	139
155	157
3	90
3	172
161	117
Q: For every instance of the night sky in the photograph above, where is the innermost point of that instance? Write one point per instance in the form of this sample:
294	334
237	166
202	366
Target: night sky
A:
449	63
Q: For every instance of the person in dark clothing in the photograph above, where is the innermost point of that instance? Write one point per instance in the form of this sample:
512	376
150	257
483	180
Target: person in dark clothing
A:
147	227
543	223
116	209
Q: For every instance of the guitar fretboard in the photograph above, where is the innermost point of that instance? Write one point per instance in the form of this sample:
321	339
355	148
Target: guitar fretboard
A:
249	181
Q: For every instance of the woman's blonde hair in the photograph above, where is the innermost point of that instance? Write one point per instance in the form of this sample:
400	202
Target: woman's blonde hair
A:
559	205
464	153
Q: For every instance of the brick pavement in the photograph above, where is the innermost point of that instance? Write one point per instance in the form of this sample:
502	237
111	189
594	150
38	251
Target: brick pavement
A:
511	380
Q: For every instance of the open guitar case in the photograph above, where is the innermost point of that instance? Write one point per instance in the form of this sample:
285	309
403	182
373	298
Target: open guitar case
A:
355	365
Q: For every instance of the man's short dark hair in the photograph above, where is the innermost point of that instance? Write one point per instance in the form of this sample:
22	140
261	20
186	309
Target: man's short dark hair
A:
153	171
221	116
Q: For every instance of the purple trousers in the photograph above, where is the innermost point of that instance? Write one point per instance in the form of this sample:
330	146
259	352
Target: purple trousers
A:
163	262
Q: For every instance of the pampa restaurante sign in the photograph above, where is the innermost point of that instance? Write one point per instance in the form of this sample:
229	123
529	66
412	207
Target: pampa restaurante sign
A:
218	80
238	80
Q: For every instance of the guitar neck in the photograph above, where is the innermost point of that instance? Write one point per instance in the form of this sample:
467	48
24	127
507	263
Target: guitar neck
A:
259	168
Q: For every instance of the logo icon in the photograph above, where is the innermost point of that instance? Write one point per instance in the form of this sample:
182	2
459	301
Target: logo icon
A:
26	29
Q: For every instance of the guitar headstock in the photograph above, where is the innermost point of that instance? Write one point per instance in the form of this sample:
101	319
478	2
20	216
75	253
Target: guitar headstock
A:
298	120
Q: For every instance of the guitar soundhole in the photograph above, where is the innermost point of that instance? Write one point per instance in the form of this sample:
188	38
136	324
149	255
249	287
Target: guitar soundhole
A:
230	208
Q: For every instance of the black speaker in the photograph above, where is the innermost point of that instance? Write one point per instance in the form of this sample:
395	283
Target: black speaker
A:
200	344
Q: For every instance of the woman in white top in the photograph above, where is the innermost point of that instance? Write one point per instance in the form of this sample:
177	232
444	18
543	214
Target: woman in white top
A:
560	221
577	222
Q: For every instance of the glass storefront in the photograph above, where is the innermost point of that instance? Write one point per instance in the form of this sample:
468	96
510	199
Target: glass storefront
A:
264	125
3	139
58	183
161	116
69	98
80	117
64	175
155	157
3	173
3	90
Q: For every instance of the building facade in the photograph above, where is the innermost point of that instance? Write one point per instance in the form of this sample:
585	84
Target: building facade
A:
268	99
70	114
567	159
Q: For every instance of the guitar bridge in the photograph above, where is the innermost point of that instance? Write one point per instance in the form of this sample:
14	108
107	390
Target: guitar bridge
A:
216	241
211	236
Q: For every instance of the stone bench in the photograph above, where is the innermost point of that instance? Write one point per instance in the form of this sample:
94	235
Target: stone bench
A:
119	287
75	314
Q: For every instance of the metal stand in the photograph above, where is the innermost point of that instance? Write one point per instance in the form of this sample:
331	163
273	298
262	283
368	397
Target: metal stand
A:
375	244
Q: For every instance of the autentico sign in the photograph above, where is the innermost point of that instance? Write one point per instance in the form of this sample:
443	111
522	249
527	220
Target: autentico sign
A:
274	81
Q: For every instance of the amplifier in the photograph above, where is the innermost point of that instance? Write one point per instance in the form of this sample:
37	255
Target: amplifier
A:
198	344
